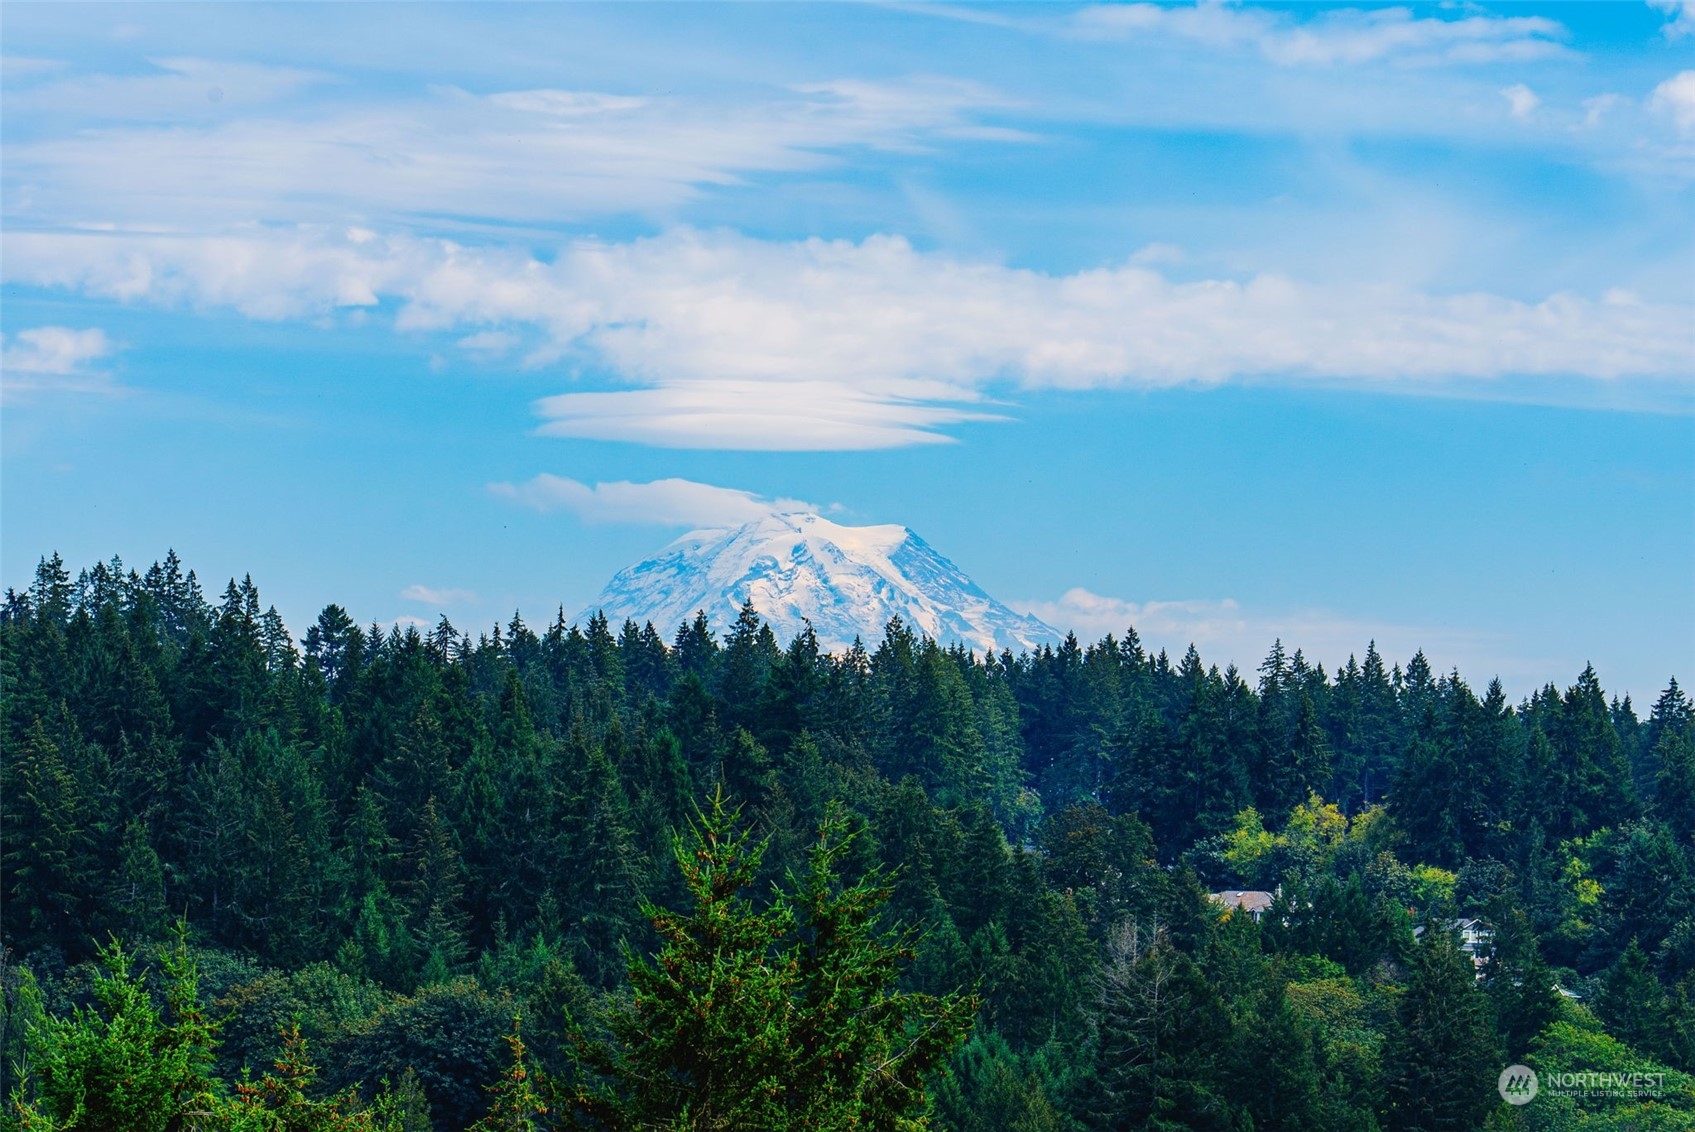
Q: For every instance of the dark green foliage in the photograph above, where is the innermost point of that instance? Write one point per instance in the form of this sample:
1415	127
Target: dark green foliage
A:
319	1001
1164	1031
771	1018
1519	984
1636	1008
281	1100
1338	920
121	1064
1106	862
390	842
991	1089
448	1034
1674	782
515	1104
1440	1062
50	826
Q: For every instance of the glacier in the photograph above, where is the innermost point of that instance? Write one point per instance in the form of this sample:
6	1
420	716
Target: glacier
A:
798	567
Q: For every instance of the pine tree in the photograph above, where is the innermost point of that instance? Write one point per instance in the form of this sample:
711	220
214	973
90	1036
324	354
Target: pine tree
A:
696	648
605	870
1273	1053
436	898
1517	980
331	642
1674	789
1635	1007
1162	1029
860	1050
1672	711
1585	739
1375	733
281	1100
515	1102
121	1064
1440	1060
138	893
48	833
784	1017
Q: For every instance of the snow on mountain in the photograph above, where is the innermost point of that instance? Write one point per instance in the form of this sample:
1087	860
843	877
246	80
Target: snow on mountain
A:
847	581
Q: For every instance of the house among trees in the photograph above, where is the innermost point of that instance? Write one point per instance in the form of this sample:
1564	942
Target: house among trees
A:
1252	901
1475	938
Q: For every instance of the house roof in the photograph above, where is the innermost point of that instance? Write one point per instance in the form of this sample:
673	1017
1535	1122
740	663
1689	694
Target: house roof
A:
1248	899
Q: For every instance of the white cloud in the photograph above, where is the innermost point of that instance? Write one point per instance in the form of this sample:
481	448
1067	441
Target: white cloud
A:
1339	37
1224	633
736	342
785	416
1520	99
55	350
539	156
667	502
1676	98
1682	17
53	359
430	595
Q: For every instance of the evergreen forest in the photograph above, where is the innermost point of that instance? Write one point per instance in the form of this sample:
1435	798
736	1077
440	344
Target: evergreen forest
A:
694	877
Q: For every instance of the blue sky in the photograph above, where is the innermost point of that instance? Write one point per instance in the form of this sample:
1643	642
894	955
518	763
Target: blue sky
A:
1230	321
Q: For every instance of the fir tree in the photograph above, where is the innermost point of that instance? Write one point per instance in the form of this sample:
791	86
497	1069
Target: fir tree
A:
1635	1007
121	1064
1441	1057
775	1018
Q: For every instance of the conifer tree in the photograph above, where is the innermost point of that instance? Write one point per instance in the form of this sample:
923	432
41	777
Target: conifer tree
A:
516	1103
1162	1029
1518	981
282	1100
1635	1007
784	1017
121	1064
46	829
1674	789
1440	1060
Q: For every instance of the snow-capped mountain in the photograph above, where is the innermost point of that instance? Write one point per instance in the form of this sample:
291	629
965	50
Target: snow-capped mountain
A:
847	581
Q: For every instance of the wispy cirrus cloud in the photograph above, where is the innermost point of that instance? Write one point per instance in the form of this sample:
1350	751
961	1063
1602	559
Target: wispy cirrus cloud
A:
667	502
449	155
180	89
1339	37
722	340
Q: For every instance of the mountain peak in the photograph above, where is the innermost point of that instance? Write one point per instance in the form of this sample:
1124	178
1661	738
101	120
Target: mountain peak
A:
798	567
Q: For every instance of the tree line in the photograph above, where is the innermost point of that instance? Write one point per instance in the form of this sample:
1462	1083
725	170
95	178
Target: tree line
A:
373	849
